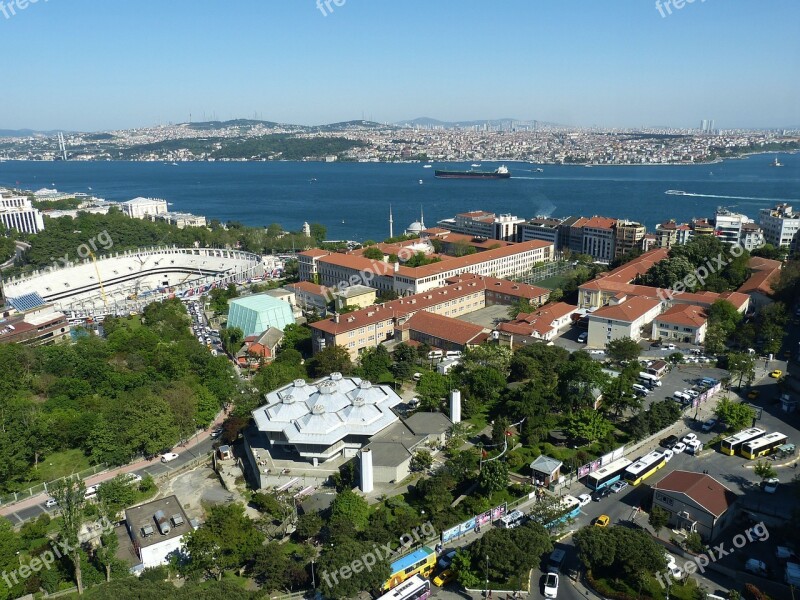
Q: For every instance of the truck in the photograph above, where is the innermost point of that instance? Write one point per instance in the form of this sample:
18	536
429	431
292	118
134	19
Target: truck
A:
556	560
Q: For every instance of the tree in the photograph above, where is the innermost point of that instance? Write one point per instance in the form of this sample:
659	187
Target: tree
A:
421	460
735	415
743	366
499	429
375	363
373	253
70	495
513	552
432	388
309	525
588	425
351	508
493	476
270	566
623	349
333	359
521	305
115	495
577	378
338	577
771	325
106	553
658	519
318	232
764	470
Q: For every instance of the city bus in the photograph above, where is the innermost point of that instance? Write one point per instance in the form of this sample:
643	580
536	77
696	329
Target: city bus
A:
763	445
644	467
420	562
605	476
570	508
731	445
414	588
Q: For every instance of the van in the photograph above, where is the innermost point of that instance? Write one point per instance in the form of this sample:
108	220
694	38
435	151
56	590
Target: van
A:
453	354
640	389
757	567
435	354
652	379
682	397
555	560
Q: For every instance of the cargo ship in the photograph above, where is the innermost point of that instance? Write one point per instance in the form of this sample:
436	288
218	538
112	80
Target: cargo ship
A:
500	173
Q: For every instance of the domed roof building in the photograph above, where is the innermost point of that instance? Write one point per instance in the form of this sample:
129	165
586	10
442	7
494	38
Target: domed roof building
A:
417	227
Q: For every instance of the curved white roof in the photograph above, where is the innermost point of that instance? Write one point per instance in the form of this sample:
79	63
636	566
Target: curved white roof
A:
328	410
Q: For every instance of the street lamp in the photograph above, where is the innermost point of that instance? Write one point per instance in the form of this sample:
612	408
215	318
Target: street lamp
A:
487	575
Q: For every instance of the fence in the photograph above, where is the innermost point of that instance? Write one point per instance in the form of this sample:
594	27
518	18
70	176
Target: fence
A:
41	488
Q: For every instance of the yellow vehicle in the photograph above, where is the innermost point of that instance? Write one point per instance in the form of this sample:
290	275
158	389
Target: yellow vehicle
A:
776	374
421	561
444	578
602	521
733	444
763	445
644	467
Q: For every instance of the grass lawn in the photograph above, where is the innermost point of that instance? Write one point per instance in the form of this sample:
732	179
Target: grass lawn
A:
556	281
650	589
57	465
480	420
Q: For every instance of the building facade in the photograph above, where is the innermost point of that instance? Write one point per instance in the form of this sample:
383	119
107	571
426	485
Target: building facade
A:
143	208
623	317
781	226
17	212
681	323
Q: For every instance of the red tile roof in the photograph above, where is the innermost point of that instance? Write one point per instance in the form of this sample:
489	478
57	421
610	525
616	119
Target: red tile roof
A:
688	315
631	309
766	272
600	222
443	328
315	253
309	287
703	489
539	321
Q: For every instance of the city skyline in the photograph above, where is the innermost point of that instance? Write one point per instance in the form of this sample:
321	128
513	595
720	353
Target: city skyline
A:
90	67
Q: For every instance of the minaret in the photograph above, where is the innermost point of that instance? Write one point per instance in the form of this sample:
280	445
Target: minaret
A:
421	217
391	223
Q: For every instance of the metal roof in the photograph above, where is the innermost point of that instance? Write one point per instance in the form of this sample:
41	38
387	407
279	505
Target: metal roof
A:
27	302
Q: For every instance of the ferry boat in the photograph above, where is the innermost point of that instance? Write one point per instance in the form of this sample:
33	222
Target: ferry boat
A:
676	193
501	172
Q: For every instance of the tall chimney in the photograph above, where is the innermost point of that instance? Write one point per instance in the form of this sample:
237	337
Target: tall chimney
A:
455	406
366	470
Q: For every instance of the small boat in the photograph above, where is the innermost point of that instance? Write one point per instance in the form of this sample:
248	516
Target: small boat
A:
538	170
427	166
475	165
676	193
421	182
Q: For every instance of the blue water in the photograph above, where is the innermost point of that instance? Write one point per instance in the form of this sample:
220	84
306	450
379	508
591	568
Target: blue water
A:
352	199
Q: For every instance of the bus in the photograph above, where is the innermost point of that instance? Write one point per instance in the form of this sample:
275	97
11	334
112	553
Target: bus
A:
763	446
569	507
605	476
731	445
414	588
644	467
512	519
420	562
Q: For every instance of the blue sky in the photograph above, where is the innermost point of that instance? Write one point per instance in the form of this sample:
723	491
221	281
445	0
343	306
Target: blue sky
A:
92	64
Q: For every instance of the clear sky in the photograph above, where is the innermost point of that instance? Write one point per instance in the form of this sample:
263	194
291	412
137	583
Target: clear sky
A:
92	64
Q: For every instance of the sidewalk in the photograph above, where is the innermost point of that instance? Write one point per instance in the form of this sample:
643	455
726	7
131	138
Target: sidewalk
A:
110	474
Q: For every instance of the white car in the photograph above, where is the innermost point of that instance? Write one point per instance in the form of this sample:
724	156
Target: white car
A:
169	456
771	484
679	447
689	437
51	502
691	393
597	351
618	486
675	571
584	499
133	478
550	585
668	454
694	447
671	346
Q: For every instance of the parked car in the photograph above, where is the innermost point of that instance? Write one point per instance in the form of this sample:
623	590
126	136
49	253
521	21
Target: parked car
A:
584	499
51	502
598	495
776	374
217	432
689	437
416	376
771	485
618	486
435	354
133	478
692	393
583	337
671	346
669	442
168	457
668	454
446	559
710	424
694	447
446	577
597	351
679	447
602	521
551	585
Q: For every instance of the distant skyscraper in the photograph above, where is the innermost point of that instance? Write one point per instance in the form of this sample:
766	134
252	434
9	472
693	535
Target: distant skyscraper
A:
704	125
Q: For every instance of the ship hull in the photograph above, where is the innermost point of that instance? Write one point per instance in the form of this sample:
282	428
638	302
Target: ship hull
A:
471	175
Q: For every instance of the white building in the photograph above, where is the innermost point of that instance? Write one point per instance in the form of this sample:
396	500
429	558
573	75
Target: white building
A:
157	530
733	228
681	323
479	223
17	212
623	317
141	208
183	220
781	226
332	417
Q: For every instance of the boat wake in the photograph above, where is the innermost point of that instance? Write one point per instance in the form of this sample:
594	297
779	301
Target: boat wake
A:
682	193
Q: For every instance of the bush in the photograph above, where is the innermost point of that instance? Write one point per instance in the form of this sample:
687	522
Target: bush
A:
751	592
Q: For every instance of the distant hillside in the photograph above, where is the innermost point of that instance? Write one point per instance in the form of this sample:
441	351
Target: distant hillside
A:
504	123
344	125
245	123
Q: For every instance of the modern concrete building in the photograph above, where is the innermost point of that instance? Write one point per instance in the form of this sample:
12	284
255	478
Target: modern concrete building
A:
599	239
623	317
255	314
32	322
628	236
322	420
681	323
695	502
544	229
359	296
479	223
17	212
157	530
781	226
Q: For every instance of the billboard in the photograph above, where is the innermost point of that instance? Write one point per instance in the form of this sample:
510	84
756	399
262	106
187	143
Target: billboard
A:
484	518
451	534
